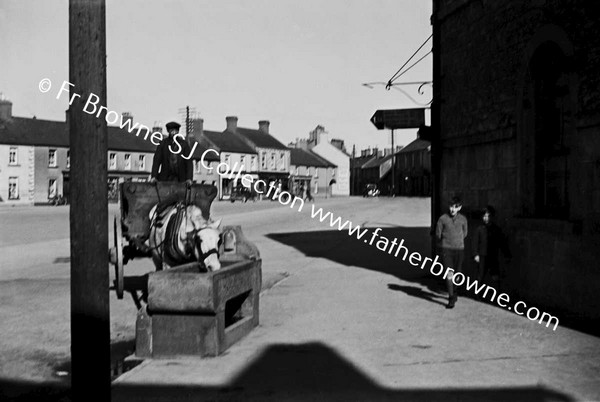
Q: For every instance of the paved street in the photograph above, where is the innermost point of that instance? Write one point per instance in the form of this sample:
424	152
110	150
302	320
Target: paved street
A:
339	319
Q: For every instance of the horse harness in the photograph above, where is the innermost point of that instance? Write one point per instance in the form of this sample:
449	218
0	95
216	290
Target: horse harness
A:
170	244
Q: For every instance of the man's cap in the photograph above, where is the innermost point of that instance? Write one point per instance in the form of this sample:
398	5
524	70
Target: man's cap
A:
173	125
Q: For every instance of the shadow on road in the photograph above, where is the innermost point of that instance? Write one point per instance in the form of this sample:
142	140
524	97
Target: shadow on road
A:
347	250
341	248
304	372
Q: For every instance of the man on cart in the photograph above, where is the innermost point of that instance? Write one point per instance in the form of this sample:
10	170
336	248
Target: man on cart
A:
168	164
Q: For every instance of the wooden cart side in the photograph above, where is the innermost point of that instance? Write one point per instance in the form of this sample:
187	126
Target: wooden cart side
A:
138	198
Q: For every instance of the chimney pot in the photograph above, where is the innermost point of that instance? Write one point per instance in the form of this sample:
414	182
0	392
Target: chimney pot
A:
231	123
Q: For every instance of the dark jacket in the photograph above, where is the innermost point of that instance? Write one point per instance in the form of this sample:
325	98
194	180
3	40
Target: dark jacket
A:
168	166
489	241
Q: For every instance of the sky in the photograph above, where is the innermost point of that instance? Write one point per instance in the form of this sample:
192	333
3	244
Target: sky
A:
298	64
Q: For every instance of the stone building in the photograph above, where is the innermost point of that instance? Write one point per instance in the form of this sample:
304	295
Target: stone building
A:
516	124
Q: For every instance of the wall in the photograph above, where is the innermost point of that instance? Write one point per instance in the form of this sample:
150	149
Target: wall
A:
24	170
342	161
488	136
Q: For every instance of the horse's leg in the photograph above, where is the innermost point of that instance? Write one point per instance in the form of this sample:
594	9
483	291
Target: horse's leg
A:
157	260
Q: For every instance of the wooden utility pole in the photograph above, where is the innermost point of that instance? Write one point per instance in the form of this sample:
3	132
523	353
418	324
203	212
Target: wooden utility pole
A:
90	323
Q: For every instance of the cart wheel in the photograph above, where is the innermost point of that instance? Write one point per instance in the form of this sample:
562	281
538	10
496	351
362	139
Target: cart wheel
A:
119	280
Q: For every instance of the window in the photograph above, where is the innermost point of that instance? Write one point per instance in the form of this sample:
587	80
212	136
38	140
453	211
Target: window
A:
112	160
242	160
142	162
210	168
68	159
282	161
316	172
52	188
263	161
253	162
127	161
227	158
548	112
13	156
272	161
52	158
13	188
297	171
333	173
197	167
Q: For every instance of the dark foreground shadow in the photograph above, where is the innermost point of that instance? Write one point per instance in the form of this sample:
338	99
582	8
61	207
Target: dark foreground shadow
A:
305	372
347	250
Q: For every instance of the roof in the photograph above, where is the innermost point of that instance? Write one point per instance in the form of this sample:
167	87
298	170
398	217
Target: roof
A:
38	132
359	161
260	138
375	162
302	157
416	145
25	131
228	142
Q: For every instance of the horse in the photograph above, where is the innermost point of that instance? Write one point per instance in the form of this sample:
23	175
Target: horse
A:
179	234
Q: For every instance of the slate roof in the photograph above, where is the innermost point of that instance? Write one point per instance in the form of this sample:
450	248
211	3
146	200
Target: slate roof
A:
302	157
38	132
228	142
375	162
416	145
25	131
360	161
260	139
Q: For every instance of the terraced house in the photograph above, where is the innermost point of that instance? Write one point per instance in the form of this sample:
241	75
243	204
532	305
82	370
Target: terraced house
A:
35	158
231	151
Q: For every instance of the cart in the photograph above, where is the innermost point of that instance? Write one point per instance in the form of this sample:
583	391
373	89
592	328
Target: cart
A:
183	311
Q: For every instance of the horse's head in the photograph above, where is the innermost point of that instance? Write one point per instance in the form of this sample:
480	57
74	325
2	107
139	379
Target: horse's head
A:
206	238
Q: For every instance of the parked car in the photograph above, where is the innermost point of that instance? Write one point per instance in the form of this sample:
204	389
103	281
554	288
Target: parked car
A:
242	193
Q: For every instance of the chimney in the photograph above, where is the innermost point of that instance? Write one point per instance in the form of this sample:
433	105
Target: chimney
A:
67	117
231	123
197	130
127	117
198	127
376	151
5	109
263	126
387	151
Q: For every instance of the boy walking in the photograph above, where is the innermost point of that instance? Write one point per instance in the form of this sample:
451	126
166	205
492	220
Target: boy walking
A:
488	242
451	231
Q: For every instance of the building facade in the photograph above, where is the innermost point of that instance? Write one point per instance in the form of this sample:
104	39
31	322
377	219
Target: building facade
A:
339	184
273	156
413	169
232	152
35	159
309	171
516	123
